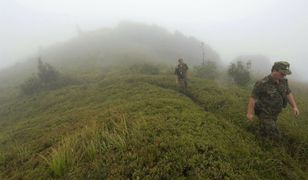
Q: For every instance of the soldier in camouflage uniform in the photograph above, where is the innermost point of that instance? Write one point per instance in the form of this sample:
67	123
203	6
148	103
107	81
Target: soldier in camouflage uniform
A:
269	96
181	72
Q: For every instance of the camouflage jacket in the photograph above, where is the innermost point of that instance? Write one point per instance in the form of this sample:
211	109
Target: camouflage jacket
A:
181	70
270	95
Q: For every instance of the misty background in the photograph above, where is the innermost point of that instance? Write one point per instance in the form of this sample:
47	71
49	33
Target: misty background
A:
272	29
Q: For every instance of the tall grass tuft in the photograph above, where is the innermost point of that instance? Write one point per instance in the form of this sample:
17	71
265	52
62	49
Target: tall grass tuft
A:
91	142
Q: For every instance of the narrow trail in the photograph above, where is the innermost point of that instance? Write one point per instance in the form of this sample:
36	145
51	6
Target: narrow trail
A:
194	99
185	92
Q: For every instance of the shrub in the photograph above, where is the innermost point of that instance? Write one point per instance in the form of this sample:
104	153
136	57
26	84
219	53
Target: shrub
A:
208	71
46	73
239	73
47	78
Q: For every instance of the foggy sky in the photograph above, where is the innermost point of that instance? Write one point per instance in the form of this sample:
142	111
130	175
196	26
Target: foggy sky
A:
274	28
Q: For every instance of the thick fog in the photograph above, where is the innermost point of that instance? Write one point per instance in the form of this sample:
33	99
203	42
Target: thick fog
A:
276	29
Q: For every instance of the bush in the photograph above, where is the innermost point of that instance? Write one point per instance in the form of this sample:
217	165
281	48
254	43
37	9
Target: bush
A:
239	73
208	71
46	73
47	78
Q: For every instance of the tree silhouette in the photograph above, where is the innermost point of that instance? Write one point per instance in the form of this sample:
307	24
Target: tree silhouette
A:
240	73
47	78
207	71
46	73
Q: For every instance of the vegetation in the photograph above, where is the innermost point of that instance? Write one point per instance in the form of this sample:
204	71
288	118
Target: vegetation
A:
208	71
240	73
129	119
47	78
142	126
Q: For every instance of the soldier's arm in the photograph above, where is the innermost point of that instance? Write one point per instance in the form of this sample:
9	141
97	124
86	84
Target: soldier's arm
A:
293	104
251	108
252	101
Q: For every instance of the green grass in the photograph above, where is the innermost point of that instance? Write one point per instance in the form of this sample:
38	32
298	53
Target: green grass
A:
142	127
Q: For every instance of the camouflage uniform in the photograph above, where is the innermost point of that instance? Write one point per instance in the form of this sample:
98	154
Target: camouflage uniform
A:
271	97
181	72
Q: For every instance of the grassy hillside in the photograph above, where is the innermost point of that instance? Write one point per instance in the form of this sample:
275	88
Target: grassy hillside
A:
111	114
124	124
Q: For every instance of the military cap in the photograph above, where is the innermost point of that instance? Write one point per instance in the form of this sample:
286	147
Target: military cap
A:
283	67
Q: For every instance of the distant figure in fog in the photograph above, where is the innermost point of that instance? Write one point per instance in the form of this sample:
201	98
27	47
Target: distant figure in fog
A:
181	72
269	96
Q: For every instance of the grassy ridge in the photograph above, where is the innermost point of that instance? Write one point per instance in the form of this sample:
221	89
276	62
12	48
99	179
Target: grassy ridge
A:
142	126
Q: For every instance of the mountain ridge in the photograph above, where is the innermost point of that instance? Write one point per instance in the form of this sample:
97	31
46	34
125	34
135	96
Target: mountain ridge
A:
140	126
129	119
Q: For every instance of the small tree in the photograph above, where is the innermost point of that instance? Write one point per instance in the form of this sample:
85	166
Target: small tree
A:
46	72
46	78
208	71
240	73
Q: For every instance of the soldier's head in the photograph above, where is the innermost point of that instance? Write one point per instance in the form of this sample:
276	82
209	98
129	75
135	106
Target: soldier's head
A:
180	60
282	67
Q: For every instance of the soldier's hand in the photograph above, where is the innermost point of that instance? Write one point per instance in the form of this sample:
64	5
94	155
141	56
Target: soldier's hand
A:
249	116
296	112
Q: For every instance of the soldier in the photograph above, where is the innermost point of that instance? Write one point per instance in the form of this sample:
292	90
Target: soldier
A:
181	72
268	97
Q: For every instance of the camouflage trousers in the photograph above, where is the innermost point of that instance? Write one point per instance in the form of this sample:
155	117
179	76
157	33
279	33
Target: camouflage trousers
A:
181	80
268	127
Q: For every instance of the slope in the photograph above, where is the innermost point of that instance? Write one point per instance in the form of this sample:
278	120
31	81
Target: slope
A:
141	126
